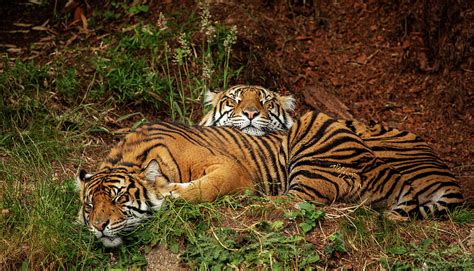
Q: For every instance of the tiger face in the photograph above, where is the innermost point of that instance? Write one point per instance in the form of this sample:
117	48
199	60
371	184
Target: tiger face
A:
116	202
252	109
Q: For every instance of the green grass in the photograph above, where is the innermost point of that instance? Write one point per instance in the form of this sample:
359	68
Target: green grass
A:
408	245
50	112
55	116
39	209
158	66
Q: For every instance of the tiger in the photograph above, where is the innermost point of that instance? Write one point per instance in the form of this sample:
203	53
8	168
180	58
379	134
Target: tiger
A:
404	151
252	109
319	159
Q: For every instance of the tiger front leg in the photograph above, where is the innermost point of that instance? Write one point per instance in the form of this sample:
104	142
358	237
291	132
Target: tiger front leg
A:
172	190
218	180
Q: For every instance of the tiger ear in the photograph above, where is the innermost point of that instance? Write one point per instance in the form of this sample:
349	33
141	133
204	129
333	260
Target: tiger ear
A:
81	178
152	171
211	98
288	102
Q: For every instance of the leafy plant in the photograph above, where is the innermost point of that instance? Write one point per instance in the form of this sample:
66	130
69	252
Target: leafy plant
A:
138	9
426	255
308	213
336	244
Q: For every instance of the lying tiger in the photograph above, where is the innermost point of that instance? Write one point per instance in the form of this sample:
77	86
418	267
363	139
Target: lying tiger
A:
319	159
404	151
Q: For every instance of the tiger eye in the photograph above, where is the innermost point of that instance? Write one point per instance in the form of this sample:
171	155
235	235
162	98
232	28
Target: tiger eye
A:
122	199
87	208
229	102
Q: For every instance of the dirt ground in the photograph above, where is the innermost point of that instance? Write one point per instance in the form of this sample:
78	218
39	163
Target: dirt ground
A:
368	60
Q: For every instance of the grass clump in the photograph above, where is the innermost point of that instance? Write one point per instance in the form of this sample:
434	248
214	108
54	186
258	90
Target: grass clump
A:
462	216
38	210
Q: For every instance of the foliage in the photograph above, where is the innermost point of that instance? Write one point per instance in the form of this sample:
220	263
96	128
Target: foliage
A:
462	216
426	255
336	244
310	215
141	65
209	245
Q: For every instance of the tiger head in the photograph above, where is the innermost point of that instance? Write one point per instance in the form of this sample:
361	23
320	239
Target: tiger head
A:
252	109
115	201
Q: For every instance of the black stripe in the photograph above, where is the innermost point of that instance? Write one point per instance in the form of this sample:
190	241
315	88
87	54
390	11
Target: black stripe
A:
313	177
304	188
431	186
136	209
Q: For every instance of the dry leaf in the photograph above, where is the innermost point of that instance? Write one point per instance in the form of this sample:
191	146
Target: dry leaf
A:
405	44
84	23
301	37
335	82
362	59
78	12
40	28
22	24
14	50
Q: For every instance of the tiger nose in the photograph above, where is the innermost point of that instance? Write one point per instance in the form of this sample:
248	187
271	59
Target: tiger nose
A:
251	113
100	225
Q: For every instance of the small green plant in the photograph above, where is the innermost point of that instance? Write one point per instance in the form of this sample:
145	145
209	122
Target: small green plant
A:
308	213
160	65
138	9
336	244
129	79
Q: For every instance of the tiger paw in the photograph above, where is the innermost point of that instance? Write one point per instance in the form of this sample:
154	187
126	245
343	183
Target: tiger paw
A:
172	190
395	217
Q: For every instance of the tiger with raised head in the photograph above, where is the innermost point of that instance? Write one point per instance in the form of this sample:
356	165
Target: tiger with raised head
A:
404	151
319	160
252	109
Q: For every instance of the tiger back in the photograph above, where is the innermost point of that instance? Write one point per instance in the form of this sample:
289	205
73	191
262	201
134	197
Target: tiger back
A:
432	181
